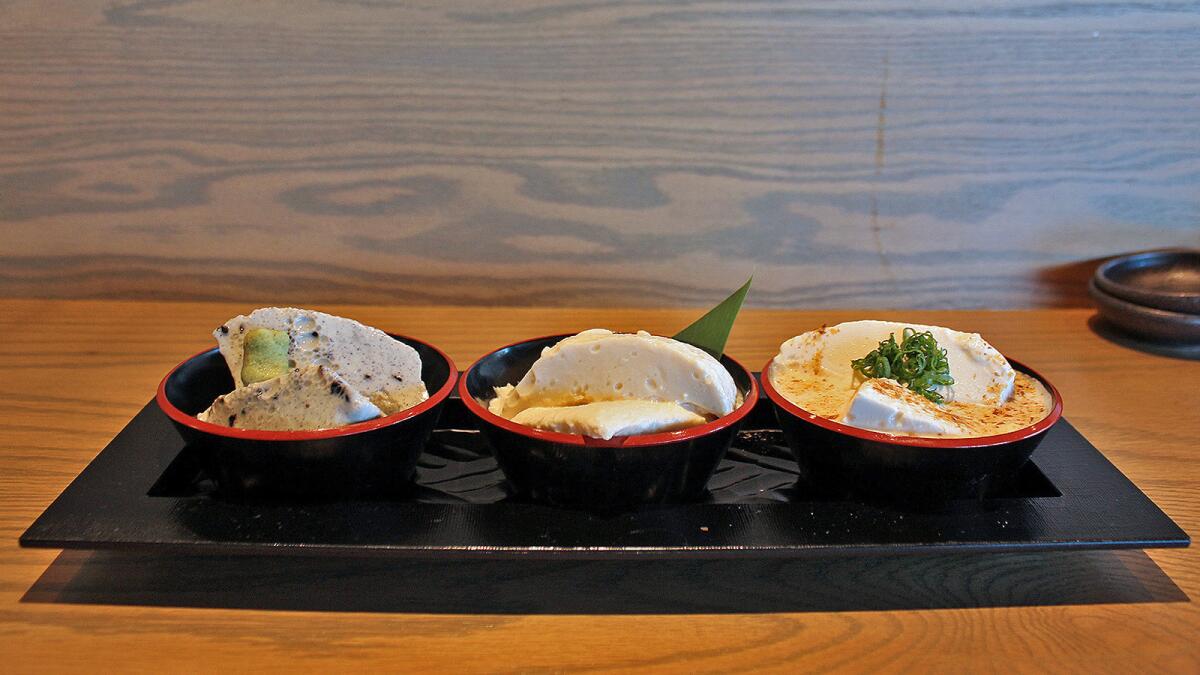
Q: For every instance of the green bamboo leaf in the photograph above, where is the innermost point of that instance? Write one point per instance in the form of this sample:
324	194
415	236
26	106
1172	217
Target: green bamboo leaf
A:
711	331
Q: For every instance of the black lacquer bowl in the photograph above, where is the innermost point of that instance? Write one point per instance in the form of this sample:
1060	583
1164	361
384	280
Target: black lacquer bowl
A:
578	471
872	464
374	457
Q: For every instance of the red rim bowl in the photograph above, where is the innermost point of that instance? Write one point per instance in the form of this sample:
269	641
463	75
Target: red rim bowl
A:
356	459
878	463
575	470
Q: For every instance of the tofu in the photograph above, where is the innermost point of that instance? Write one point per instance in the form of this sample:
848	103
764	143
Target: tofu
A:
381	368
982	376
607	419
885	405
313	397
599	365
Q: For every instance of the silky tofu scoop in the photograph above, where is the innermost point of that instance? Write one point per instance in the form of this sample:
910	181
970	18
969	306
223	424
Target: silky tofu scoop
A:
297	369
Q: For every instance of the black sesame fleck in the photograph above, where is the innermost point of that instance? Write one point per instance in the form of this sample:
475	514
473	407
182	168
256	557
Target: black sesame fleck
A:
336	389
224	330
398	378
232	419
316	334
366	376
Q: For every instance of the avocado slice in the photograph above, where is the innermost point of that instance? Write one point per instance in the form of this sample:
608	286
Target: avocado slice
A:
264	355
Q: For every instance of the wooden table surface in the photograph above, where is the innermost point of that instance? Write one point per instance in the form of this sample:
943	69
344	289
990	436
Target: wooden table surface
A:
76	371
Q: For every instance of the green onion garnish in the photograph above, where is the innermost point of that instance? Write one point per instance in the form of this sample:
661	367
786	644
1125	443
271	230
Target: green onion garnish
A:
917	363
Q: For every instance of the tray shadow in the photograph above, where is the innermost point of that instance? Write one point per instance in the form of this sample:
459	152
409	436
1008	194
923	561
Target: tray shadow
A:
837	584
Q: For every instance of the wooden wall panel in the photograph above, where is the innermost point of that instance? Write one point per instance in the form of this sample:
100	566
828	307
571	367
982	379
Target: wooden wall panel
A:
573	152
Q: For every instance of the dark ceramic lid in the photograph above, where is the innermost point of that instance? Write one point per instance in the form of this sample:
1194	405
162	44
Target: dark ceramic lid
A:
1168	279
1147	323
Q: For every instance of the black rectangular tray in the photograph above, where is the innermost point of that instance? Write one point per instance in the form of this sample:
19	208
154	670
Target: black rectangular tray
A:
147	491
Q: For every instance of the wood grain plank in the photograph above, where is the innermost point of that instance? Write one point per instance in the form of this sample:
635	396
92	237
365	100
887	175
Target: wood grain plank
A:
592	153
1066	612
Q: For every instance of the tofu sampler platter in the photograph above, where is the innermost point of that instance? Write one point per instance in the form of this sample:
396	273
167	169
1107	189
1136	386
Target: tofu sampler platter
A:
300	432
